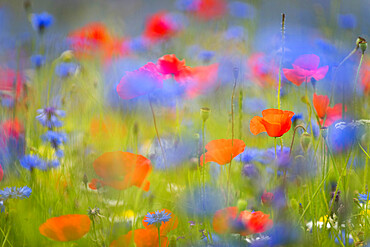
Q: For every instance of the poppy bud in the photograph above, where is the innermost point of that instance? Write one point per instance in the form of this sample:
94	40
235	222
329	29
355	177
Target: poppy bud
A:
294	204
305	141
85	180
27	5
136	128
324	132
204	113
242	205
267	198
359	40
236	73
363	46
67	56
305	100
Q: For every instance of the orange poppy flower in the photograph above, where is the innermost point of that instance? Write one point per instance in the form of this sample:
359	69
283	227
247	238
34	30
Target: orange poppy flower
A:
167	226
230	220
103	127
122	170
273	121
321	105
66	227
142	238
304	68
222	151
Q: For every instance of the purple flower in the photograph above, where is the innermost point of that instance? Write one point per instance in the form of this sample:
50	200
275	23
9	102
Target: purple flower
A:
48	117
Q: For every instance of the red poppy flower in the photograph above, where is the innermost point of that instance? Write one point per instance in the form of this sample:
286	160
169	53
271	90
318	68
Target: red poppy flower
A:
305	68
166	227
267	198
365	78
171	65
229	220
7	79
10	129
1	173
121	170
160	26
142	238
210	9
273	121
200	80
140	82
66	228
95	37
222	151
262	72
258	222
321	105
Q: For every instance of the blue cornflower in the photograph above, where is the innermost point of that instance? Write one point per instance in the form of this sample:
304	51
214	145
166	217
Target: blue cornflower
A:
252	154
283	157
15	193
250	170
66	69
31	162
38	60
41	21
55	138
138	44
241	10
48	117
297	117
363	198
157	218
206	55
2	207
235	32
186	5
347	21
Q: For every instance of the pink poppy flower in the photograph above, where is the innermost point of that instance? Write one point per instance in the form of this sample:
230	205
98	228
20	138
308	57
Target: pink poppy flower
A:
140	82
304	69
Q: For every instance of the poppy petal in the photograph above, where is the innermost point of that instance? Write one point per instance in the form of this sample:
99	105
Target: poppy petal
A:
293	76
320	103
321	73
66	228
222	151
256	125
308	61
272	129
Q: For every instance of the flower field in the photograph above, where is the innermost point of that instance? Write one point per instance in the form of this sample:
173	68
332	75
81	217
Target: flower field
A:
184	123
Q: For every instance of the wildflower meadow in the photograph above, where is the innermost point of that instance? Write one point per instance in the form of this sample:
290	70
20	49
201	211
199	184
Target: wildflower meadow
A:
184	123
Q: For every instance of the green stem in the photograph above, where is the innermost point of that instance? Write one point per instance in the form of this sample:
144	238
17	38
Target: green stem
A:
204	160
355	86
157	133
291	144
232	135
281	58
159	236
